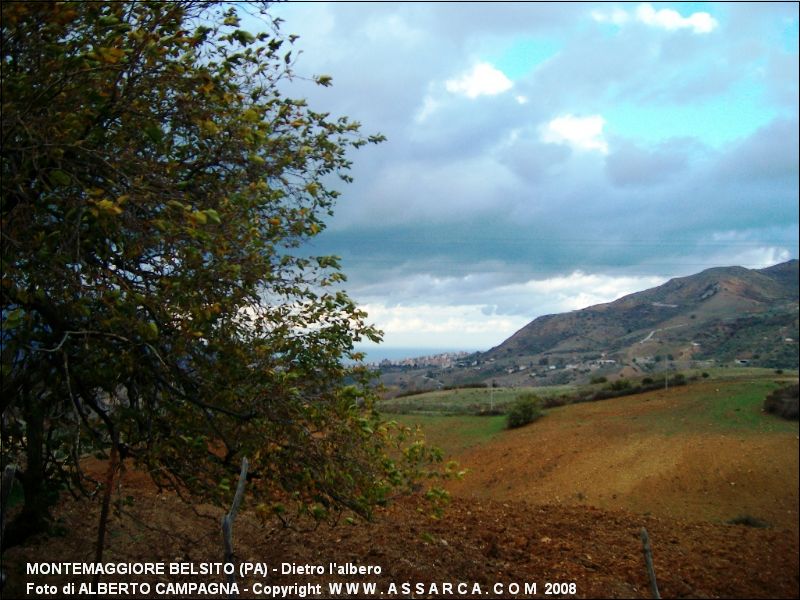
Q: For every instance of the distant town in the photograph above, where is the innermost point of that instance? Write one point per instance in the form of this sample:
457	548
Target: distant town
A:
442	360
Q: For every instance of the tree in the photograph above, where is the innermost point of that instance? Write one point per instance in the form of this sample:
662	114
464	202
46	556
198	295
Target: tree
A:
157	187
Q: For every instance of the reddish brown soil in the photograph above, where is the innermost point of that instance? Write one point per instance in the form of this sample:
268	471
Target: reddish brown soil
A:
606	454
478	541
561	501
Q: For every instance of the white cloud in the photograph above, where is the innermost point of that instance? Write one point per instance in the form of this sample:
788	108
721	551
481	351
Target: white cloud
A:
582	133
751	258
429	106
616	16
489	312
431	325
393	28
577	290
482	80
665	18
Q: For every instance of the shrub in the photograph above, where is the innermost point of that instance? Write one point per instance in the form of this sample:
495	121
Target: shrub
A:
598	380
526	409
705	375
783	402
748	521
620	385
555	401
678	379
647	381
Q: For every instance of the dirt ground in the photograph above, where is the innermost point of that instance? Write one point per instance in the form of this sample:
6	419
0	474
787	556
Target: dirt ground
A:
610	455
482	542
563	501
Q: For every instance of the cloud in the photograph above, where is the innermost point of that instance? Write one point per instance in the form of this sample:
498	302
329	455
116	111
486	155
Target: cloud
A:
615	16
665	18
490	311
770	154
482	80
627	154
633	165
581	133
438	326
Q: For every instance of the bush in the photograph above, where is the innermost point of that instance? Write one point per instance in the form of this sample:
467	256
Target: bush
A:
556	401
678	379
620	385
647	381
598	380
783	402
748	521
526	409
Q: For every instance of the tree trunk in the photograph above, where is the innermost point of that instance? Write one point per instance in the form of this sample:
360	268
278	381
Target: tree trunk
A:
35	515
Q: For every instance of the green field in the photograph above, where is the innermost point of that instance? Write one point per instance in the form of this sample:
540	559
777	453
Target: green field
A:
456	433
730	405
729	401
466	401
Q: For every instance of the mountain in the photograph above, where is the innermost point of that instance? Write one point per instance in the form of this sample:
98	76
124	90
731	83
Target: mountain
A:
722	314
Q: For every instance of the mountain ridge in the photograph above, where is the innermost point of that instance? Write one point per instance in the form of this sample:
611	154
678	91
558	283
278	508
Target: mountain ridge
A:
721	300
721	316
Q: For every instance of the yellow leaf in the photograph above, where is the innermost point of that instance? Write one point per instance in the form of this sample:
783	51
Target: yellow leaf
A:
108	207
209	127
110	55
251	115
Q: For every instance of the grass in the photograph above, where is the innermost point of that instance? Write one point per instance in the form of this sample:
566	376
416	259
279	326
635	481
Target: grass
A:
468	401
730	400
722	373
724	406
739	407
727	405
454	434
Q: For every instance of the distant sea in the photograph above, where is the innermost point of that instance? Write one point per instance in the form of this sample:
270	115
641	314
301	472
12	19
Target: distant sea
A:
375	354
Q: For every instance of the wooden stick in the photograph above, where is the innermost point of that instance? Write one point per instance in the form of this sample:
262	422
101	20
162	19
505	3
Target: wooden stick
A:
227	520
113	465
648	561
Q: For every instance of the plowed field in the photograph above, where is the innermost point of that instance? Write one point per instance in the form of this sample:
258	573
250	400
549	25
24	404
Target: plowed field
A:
560	501
664	453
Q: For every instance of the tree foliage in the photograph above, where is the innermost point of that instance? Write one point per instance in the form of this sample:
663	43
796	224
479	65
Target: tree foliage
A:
526	408
157	187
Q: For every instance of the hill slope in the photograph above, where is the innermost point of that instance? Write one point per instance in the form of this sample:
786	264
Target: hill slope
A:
722	313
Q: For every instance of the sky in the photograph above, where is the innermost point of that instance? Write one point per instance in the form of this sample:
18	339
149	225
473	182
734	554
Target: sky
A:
545	157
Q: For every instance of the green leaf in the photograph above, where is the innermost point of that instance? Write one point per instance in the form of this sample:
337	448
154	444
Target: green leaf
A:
59	177
13	319
151	331
154	133
213	215
243	37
